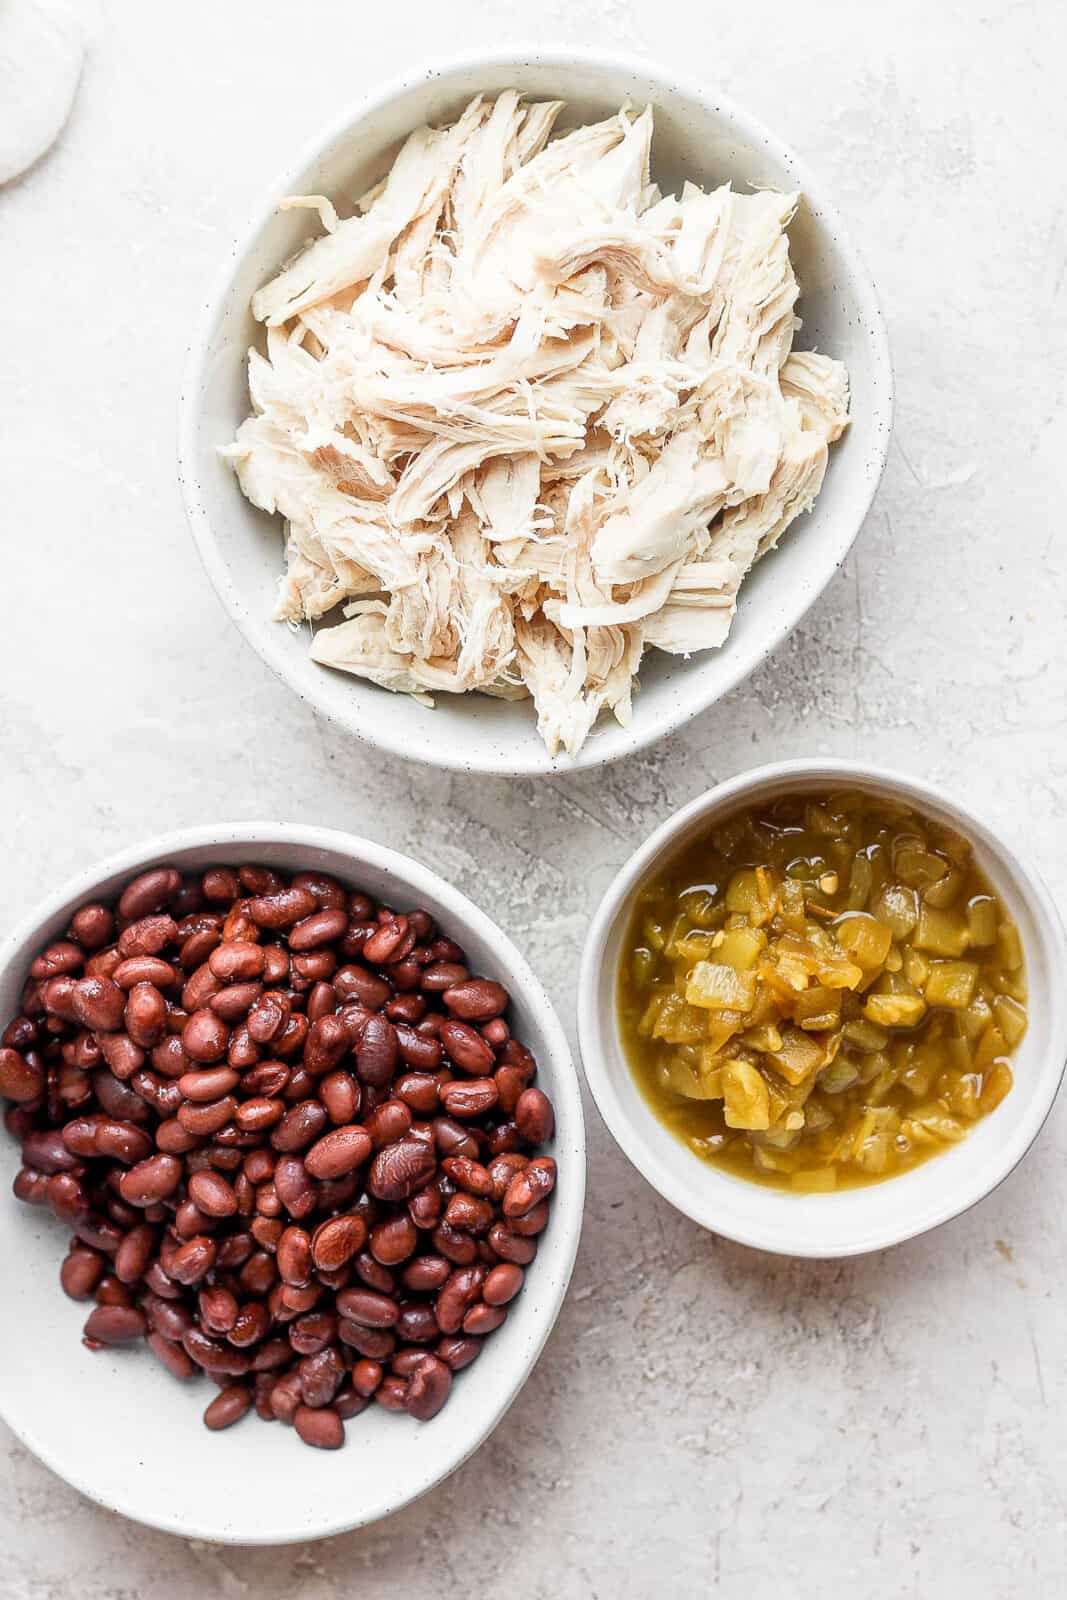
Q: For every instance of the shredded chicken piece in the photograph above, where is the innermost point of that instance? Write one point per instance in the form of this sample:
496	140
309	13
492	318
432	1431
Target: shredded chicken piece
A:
525	416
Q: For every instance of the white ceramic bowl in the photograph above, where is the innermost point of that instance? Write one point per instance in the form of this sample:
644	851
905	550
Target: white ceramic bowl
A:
854	1220
118	1427
699	135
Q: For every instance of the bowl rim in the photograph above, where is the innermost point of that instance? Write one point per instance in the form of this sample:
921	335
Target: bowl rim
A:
594	975
567	1218
534	761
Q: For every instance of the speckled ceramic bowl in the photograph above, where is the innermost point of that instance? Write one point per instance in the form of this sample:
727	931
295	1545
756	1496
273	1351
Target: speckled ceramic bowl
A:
114	1423
699	135
853	1220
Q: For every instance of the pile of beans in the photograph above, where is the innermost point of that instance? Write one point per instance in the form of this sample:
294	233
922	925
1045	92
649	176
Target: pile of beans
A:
293	1137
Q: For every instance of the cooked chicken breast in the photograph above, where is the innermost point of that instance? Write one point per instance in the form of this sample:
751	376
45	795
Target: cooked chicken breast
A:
525	417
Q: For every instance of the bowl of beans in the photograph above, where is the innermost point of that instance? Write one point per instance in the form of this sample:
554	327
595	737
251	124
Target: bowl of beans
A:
292	1136
821	1009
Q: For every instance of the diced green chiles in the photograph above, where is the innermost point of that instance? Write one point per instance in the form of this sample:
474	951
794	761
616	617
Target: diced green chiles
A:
746	1096
1011	1019
942	933
982	920
822	992
897	906
865	939
718	987
951	983
894	1010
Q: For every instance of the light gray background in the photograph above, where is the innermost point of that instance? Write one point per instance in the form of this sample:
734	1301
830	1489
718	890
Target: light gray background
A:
703	1415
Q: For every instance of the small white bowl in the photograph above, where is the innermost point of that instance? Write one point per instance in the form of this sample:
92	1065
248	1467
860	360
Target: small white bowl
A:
854	1220
700	135
114	1424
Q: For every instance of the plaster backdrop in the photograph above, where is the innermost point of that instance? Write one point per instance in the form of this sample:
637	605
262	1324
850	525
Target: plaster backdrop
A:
704	1417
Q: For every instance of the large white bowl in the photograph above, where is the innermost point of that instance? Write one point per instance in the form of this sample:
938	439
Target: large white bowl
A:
853	1220
118	1427
699	135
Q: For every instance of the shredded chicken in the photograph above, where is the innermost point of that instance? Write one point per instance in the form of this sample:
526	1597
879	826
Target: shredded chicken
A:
525	417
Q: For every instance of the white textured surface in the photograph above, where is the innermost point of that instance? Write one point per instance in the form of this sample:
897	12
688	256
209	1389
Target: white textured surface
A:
702	1412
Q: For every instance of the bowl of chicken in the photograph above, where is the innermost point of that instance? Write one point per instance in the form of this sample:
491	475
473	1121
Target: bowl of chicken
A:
537	404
